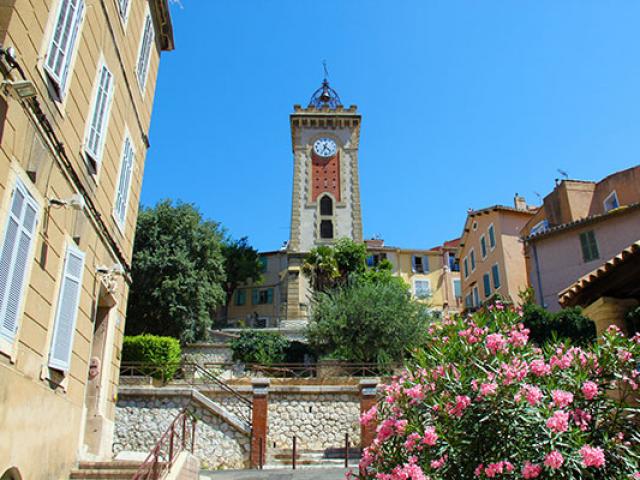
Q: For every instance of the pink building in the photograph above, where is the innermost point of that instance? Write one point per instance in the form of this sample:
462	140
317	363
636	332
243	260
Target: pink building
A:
581	225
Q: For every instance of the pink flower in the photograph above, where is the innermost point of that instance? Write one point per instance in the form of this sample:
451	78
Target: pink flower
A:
435	464
532	393
411	441
559	422
495	342
581	418
478	471
415	393
625	356
561	398
367	417
462	402
539	368
554	459
531	470
589	390
592	457
488	389
430	436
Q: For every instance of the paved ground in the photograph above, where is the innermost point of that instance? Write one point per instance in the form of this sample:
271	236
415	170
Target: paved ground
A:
299	474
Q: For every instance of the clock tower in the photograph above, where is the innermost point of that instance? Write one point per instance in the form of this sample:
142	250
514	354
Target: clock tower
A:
326	187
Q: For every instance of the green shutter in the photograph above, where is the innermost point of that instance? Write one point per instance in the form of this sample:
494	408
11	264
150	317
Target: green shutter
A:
593	245
270	296
492	237
487	285
254	296
495	271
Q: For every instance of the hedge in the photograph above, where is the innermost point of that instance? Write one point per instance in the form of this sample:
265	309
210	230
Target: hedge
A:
161	352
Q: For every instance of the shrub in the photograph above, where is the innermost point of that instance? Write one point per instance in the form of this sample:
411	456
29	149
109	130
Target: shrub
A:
372	319
264	348
569	324
163	353
479	401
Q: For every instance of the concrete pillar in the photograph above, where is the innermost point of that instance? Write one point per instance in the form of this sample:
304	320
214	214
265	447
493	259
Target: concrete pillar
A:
608	311
259	421
368	398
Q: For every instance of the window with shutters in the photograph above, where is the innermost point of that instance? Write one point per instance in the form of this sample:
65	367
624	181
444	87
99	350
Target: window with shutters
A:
476	297
486	283
472	256
123	9
420	264
67	309
422	289
124	183
483	246
63	41
495	273
589	246
465	265
241	297
262	296
99	118
144	54
468	301
492	237
457	288
15	259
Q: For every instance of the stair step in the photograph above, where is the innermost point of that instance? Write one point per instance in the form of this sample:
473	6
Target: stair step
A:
118	464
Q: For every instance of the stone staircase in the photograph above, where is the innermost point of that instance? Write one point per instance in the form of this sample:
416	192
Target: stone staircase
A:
307	458
113	470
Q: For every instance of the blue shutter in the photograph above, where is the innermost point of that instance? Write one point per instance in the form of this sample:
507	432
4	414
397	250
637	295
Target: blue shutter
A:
254	296
270	296
413	263
67	309
425	264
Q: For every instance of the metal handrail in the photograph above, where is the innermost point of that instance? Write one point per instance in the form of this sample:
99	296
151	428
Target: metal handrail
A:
180	435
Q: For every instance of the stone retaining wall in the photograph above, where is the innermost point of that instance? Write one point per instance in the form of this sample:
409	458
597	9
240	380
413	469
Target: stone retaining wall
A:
207	353
318	420
141	420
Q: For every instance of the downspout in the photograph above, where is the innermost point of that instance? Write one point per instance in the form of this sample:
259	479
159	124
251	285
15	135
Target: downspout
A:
537	264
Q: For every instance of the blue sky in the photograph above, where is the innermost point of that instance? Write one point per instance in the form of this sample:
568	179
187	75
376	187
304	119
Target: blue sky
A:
464	103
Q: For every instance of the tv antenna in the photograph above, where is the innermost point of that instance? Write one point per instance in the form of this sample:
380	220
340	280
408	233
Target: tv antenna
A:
563	173
538	195
326	70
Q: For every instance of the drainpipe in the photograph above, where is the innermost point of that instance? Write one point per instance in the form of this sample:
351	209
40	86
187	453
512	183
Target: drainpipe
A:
537	263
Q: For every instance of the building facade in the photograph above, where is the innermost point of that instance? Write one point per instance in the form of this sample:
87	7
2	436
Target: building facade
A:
326	206
581	225
75	107
492	255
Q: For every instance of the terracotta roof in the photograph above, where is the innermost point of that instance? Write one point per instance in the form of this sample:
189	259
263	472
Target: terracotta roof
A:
583	221
530	211
455	243
603	271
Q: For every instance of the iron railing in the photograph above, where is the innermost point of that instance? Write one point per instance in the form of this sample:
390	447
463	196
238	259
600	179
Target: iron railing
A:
180	435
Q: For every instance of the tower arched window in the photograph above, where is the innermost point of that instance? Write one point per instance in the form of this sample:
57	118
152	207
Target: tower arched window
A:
326	229
326	205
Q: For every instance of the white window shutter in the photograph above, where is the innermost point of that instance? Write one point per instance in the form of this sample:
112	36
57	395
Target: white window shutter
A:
63	40
148	37
99	118
67	309
14	258
124	182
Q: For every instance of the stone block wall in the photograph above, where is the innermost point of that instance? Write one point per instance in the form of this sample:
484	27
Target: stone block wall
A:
207	353
141	421
318	420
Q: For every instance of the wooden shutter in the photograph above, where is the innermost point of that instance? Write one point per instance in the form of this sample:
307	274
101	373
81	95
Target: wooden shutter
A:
14	258
270	296
63	40
425	264
254	296
101	106
67	309
145	51
124	182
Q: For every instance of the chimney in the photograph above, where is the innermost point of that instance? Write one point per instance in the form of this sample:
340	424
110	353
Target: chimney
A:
519	203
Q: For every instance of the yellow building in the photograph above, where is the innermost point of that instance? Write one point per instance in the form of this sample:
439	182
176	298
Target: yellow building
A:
75	108
492	253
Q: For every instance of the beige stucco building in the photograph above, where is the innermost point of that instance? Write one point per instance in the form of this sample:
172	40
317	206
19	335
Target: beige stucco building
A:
581	225
75	107
492	255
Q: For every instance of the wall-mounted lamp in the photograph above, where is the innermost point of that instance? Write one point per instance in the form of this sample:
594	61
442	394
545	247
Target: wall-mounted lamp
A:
21	89
76	202
115	269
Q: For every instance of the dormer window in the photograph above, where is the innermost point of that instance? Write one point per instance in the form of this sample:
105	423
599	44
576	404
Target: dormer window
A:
611	202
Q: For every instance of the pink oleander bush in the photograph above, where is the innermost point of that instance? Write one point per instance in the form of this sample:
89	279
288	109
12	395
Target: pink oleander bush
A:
479	401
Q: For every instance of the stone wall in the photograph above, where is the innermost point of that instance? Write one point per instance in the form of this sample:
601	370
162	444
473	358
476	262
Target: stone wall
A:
141	420
318	420
207	353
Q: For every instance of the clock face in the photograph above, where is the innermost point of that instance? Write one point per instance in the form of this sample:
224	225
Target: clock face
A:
325	147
